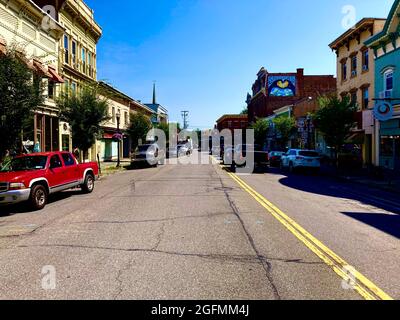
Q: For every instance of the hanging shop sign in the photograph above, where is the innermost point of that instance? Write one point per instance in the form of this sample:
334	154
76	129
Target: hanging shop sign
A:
383	111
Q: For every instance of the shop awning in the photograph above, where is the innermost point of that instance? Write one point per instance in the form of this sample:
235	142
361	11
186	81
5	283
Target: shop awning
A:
40	68
3	49
107	135
21	56
55	76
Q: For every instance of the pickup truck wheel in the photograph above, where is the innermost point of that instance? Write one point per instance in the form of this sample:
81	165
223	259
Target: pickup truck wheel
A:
88	185
291	168
38	197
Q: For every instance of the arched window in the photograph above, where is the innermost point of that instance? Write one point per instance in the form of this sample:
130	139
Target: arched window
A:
388	80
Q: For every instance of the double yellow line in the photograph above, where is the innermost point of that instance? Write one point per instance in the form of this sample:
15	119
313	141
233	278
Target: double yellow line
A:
361	284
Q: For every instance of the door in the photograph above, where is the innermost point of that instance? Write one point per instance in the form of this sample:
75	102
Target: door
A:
71	169
107	150
56	173
397	154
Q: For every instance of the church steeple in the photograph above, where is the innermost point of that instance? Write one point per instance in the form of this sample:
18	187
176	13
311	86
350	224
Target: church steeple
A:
154	93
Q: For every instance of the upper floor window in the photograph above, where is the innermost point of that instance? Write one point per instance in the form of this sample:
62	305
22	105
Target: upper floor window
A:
354	66
73	53
73	87
365	101
84	60
353	96
50	89
66	87
113	114
90	64
344	70
388	77
365	60
66	48
126	118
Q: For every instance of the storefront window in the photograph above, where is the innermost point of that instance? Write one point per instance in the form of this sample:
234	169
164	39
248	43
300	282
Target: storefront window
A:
65	142
397	147
387	147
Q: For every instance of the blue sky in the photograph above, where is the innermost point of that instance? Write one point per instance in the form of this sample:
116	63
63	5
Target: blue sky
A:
204	54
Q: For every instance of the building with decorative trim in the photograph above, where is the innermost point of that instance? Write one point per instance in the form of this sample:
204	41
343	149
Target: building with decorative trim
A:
272	91
23	25
355	78
386	48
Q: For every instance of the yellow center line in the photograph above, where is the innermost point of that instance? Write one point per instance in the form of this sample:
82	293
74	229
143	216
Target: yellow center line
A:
366	288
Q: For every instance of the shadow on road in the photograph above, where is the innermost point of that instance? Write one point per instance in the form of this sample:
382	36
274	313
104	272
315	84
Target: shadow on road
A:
387	223
24	208
326	186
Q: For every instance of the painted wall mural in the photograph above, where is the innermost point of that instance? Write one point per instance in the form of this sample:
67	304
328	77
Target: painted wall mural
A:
281	86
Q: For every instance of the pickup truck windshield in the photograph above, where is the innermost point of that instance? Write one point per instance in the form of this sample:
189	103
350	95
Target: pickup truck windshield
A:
26	163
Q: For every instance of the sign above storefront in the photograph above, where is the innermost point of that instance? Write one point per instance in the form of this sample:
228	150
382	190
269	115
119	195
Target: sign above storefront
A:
383	111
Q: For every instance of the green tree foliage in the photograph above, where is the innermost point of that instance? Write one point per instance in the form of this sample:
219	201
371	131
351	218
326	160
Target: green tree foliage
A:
335	119
85	112
245	111
261	128
285	128
140	125
21	93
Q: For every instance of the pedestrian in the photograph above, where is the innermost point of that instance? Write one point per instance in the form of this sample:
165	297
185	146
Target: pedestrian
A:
6	159
76	153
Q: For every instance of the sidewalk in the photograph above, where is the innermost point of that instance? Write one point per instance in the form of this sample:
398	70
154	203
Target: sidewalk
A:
108	168
391	182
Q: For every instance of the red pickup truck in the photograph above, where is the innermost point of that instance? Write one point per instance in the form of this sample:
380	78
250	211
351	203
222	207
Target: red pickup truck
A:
34	177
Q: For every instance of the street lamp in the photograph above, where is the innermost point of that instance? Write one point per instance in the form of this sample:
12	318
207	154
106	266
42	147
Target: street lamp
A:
118	115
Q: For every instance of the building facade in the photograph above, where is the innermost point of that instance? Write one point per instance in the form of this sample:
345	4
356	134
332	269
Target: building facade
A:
232	122
355	78
77	54
272	91
386	52
24	26
114	136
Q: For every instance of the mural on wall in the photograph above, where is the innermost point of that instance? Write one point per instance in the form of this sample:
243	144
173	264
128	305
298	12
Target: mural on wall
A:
281	86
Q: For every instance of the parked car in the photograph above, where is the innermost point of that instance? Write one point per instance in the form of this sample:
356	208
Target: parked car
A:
183	149
295	159
148	155
33	177
227	157
261	157
275	158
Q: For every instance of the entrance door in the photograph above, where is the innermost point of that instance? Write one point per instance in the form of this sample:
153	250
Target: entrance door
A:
126	149
397	153
107	150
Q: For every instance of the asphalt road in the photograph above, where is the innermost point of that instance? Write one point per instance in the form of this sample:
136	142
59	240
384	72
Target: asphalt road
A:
191	232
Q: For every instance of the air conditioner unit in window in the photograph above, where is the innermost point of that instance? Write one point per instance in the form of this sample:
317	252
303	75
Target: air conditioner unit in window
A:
353	73
365	68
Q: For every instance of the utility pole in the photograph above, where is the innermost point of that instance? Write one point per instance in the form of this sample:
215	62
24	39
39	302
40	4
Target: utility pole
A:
185	116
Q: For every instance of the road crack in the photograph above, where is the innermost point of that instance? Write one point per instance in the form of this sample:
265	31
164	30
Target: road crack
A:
263	260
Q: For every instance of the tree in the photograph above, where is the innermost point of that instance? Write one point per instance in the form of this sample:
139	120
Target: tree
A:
335	119
245	111
140	125
85	112
286	128
261	128
19	98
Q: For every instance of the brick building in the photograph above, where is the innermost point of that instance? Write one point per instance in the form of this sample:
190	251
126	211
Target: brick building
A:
272	91
232	122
